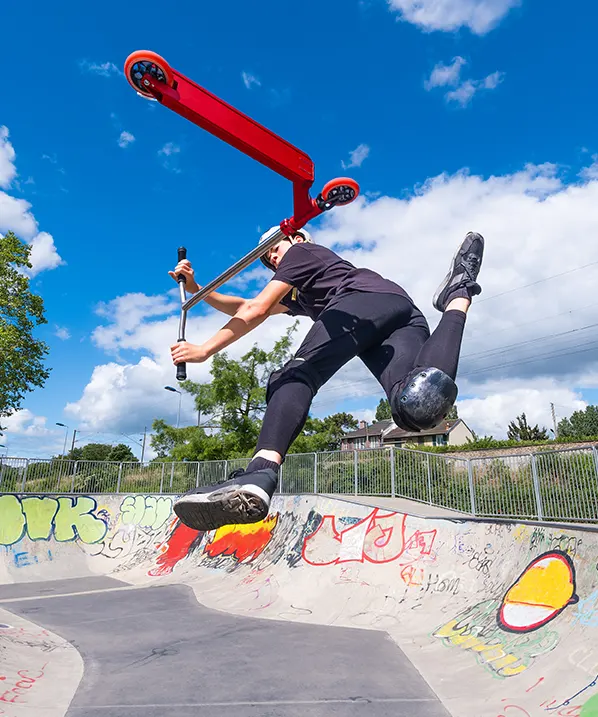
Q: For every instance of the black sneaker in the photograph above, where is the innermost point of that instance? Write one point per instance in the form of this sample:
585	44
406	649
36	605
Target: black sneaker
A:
243	498
461	278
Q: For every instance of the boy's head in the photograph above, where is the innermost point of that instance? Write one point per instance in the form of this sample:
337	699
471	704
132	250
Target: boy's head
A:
273	256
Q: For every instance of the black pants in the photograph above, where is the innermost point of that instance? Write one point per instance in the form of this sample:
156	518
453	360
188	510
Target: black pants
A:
388	333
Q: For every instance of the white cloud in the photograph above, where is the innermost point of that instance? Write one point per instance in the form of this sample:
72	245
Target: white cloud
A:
8	171
480	16
443	75
450	76
16	216
62	333
358	156
169	153
105	69
26	423
169	149
250	80
466	90
43	254
125	139
503	401
590	173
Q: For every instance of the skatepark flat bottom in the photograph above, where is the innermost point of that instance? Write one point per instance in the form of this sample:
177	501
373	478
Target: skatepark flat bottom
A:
155	651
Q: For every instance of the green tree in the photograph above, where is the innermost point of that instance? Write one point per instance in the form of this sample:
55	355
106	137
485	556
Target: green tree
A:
520	430
236	397
102	452
21	355
383	411
123	454
581	424
324	434
453	414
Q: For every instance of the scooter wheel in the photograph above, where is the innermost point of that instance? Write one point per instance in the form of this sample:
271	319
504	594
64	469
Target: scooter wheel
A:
142	62
340	191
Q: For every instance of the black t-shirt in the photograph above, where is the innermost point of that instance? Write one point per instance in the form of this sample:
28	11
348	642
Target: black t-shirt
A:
320	277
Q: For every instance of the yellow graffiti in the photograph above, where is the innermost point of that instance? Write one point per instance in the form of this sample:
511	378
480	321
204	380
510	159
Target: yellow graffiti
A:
544	590
493	653
546	584
64	519
503	653
145	511
39	514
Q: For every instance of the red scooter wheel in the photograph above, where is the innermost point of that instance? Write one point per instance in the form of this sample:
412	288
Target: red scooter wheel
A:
142	62
341	190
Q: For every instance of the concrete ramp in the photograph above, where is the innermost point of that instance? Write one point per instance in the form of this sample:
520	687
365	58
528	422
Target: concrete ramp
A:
325	608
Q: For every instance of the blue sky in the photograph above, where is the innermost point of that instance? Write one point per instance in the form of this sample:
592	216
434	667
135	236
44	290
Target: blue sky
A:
459	88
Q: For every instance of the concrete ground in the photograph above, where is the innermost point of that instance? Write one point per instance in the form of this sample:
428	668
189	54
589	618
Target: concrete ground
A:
155	652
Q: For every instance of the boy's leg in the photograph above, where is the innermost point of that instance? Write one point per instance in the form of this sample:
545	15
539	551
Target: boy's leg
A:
421	396
356	323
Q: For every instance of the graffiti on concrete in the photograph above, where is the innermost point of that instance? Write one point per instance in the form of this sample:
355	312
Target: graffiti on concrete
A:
147	511
504	654
379	538
21	558
242	542
41	518
540	594
177	546
555	542
586	613
19	684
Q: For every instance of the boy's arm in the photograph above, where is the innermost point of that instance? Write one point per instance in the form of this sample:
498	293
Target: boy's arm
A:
250	314
223	302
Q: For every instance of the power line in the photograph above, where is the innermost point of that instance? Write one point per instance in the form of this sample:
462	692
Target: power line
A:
539	281
508	347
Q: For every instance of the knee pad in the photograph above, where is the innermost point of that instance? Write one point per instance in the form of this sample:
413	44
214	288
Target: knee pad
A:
293	371
423	399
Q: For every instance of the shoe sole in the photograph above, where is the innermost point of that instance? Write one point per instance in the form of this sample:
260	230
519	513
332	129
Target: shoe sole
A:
210	511
468	241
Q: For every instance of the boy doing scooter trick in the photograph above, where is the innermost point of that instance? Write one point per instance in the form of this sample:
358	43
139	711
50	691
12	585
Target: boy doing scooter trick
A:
356	312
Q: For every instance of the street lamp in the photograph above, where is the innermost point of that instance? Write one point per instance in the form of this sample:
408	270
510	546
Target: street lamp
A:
174	390
65	435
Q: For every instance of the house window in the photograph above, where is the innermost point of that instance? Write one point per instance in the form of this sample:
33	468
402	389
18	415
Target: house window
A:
441	440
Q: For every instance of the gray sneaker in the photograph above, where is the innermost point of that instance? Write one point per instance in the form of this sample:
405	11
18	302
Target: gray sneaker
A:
244	498
461	278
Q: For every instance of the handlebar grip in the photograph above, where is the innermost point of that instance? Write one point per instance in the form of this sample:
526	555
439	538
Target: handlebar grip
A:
181	371
182	254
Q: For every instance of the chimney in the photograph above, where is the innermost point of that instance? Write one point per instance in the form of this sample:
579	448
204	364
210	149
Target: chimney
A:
362	424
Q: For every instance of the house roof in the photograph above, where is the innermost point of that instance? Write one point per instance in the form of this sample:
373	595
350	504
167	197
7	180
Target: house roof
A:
441	428
376	429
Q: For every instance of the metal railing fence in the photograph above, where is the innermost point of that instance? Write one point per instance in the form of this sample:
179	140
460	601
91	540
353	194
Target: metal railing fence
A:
552	485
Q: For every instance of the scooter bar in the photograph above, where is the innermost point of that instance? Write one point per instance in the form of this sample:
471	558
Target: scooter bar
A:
229	124
248	259
181	369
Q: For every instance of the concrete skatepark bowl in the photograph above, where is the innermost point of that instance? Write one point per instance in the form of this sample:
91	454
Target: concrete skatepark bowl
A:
110	607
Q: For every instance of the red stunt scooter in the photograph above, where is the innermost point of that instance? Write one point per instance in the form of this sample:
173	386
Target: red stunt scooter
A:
152	77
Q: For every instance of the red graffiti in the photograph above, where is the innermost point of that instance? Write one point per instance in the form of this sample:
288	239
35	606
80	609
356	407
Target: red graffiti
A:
174	549
243	542
27	678
378	538
412	576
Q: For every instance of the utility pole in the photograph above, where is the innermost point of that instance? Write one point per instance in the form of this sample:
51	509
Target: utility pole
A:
143	446
556	435
73	443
